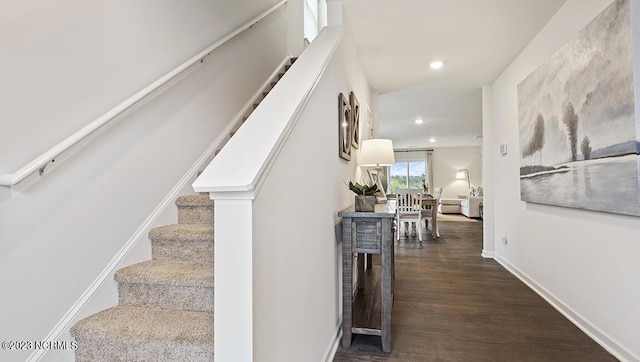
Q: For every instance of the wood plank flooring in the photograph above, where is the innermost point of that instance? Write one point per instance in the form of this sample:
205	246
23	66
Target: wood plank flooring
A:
450	304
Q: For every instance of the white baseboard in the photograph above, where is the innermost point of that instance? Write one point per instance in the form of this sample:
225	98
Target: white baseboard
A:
487	254
614	347
332	348
181	187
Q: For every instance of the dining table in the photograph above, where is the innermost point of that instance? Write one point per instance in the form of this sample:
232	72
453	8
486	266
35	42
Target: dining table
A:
429	205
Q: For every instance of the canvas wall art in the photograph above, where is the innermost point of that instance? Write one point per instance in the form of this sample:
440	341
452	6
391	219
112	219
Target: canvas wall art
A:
578	130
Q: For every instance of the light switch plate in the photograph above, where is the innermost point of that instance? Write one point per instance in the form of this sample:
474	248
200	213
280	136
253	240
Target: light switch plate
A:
503	149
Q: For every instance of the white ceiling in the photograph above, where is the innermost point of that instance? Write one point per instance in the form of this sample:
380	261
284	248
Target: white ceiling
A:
476	40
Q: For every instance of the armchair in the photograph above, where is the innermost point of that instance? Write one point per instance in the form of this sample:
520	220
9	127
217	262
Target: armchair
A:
471	206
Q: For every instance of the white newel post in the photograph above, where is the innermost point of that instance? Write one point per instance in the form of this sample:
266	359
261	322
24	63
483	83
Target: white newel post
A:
233	282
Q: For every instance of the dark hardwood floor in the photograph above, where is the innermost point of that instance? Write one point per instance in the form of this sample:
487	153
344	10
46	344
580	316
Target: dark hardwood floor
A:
450	304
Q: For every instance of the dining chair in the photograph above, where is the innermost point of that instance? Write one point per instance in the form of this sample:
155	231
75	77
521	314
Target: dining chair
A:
428	213
413	191
409	210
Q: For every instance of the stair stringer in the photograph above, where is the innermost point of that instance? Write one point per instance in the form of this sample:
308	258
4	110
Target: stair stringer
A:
137	248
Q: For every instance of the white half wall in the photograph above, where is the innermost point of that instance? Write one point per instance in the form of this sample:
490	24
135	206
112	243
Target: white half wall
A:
448	160
297	251
585	263
63	66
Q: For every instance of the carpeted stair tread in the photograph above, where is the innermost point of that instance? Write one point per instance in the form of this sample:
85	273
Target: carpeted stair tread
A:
183	242
167	284
194	201
195	209
148	324
167	272
128	333
182	232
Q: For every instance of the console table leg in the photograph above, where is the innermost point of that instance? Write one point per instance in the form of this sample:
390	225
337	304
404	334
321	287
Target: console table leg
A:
361	277
386	288
347	287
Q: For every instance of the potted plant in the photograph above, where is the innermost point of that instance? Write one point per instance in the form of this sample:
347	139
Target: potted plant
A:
365	196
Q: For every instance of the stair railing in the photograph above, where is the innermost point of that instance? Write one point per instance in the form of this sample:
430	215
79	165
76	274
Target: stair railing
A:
40	163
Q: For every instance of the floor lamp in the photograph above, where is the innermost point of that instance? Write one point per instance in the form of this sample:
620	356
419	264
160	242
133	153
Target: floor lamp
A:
462	174
377	153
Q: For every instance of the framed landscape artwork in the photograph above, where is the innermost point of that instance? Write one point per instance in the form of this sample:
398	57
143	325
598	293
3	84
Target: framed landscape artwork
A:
577	125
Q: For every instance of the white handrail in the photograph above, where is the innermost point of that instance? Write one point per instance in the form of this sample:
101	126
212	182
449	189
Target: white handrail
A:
12	179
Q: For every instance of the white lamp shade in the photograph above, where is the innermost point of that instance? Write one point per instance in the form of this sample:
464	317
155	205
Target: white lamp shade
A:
461	175
376	152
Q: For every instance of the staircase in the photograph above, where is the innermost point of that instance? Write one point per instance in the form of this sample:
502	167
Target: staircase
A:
165	309
165	305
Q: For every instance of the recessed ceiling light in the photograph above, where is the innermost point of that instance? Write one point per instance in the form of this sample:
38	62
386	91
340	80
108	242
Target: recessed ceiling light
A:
436	65
432	139
419	121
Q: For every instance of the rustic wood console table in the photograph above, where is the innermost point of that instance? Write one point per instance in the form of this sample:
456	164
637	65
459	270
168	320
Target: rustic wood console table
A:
367	233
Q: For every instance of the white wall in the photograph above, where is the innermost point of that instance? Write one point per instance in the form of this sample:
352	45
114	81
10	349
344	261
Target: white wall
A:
448	160
65	64
583	262
62	66
297	259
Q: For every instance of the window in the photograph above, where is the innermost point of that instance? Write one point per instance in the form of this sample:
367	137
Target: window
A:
310	19
407	174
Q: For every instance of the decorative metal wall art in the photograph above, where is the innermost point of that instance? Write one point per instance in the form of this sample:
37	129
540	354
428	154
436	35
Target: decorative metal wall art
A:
355	120
344	125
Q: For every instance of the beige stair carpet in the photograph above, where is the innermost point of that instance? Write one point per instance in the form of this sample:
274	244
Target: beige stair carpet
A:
128	333
165	310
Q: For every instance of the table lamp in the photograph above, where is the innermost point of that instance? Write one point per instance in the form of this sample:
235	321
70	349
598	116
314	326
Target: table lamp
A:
377	153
